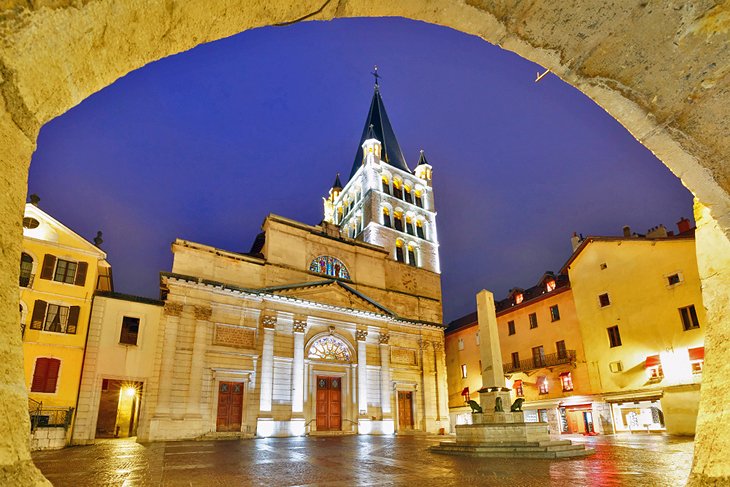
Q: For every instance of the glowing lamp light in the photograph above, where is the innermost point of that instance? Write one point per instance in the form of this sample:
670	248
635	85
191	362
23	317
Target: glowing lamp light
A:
265	428
130	391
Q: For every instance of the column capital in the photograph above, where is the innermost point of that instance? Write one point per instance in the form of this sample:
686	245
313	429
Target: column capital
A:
268	321
361	335
383	338
423	344
173	309
202	312
437	345
299	326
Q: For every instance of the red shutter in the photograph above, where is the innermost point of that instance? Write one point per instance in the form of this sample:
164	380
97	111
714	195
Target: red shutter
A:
73	320
39	375
49	263
39	313
81	269
52	375
652	360
697	353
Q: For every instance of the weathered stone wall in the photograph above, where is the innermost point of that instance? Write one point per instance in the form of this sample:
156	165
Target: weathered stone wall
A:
660	68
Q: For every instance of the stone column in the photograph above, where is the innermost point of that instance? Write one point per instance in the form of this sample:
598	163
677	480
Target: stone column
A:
297	401
267	364
197	362
362	373
428	398
712	439
172	312
385	389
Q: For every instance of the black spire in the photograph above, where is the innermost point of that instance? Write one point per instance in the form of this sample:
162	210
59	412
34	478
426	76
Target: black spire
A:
338	183
422	159
378	126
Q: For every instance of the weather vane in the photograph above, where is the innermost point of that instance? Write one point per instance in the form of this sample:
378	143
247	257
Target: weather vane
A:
376	75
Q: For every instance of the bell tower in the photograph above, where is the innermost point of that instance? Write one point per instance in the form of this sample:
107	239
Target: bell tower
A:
383	202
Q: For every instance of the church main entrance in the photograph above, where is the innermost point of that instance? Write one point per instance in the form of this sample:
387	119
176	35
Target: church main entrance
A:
230	406
329	409
405	410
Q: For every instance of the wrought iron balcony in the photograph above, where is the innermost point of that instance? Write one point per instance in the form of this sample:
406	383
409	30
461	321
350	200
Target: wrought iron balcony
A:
539	362
48	417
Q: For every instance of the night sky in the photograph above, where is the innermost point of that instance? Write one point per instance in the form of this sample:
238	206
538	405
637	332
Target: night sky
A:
204	144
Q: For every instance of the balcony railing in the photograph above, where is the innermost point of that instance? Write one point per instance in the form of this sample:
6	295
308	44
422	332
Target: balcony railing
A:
539	362
48	417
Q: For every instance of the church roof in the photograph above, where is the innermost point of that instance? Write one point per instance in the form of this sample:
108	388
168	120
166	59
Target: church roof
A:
377	125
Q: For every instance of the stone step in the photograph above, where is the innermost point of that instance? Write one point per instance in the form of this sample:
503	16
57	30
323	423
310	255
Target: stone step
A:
579	451
510	443
500	448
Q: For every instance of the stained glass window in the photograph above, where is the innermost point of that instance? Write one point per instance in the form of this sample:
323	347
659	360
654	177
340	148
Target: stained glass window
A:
325	264
330	348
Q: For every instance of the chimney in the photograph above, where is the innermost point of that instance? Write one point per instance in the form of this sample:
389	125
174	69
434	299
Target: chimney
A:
683	225
575	241
627	231
35	199
657	232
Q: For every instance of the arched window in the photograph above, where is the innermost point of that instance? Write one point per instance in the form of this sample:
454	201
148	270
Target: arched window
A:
419	229
325	264
399	220
330	348
399	256
419	198
26	270
409	225
407	193
412	255
386	184
397	188
386	217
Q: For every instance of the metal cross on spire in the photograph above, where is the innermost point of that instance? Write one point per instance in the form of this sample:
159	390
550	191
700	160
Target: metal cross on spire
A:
376	75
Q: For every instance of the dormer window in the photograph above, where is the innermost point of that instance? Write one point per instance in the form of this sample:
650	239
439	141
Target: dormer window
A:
550	285
519	297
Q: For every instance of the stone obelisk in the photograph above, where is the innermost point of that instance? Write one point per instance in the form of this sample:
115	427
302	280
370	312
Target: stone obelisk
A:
493	384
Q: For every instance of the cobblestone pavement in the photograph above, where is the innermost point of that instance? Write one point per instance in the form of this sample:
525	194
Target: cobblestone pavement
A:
638	460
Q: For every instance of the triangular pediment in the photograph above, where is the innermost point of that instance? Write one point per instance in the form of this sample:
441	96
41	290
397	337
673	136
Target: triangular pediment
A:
331	293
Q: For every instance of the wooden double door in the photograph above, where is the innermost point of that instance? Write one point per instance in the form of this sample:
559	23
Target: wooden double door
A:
329	403
405	410
230	406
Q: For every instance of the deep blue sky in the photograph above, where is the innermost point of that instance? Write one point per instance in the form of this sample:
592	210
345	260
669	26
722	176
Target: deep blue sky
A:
204	144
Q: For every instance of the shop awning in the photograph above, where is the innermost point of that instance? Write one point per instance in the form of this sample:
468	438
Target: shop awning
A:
653	361
517	384
564	374
465	391
697	353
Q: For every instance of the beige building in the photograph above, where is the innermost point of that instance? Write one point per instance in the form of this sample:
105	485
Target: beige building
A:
613	343
326	329
119	362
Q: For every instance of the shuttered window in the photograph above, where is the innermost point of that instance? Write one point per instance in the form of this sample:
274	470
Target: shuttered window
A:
45	375
55	318
62	270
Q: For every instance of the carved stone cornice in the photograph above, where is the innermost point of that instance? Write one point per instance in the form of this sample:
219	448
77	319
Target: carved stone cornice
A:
299	326
383	338
173	309
202	312
361	335
268	321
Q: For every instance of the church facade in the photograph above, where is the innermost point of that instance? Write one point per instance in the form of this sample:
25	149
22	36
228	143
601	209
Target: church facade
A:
326	329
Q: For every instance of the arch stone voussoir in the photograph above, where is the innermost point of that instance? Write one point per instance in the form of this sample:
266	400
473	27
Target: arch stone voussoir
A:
662	69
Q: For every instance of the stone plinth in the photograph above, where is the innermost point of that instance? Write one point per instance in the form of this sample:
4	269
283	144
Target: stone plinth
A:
507	432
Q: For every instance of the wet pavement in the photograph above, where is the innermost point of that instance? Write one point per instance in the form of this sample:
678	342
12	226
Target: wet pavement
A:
621	460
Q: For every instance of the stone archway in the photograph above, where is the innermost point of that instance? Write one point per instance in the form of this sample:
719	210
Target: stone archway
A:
663	71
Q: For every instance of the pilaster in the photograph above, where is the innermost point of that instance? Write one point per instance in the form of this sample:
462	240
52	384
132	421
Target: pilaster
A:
268	323
299	327
385	389
362	373
171	313
202	316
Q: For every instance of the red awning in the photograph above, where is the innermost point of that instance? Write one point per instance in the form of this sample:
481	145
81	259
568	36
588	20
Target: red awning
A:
653	361
697	353
564	374
517	383
465	391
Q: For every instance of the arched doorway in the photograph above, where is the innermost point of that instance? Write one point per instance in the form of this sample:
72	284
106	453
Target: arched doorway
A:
659	70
